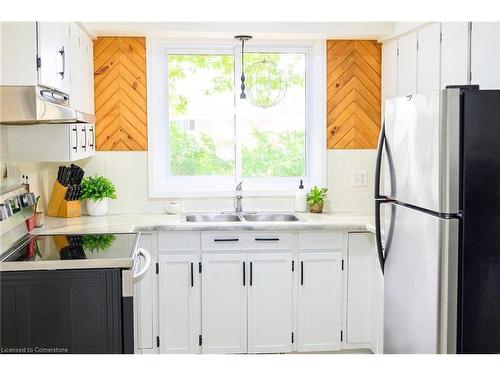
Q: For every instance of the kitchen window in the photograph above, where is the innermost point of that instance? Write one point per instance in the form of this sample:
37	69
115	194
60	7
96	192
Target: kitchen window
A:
203	138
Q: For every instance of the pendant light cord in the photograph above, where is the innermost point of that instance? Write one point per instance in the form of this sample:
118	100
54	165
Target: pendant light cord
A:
243	95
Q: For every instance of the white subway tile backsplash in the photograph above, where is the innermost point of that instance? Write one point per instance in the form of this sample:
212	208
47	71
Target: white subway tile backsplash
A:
128	171
115	161
137	162
137	184
342	196
120	182
200	204
93	165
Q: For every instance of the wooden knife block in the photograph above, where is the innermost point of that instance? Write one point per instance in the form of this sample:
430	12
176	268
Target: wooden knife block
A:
60	207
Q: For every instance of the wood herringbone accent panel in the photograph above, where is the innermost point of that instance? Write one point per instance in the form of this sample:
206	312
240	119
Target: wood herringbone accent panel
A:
120	94
353	93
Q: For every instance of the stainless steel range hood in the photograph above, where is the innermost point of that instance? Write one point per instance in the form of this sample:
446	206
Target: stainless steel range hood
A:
28	105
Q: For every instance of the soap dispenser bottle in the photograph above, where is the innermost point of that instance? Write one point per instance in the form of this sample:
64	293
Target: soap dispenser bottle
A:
301	198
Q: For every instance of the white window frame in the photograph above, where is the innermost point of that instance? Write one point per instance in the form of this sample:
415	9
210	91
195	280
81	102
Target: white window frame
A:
161	185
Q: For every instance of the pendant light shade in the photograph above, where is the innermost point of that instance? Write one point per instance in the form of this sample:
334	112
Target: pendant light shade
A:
243	39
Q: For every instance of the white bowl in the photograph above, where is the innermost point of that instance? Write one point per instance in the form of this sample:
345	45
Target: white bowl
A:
173	208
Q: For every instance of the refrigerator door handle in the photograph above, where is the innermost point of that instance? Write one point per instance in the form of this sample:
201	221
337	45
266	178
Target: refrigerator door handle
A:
378	234
379	198
378	163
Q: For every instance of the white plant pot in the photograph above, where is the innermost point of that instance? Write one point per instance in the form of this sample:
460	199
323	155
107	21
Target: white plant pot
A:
98	208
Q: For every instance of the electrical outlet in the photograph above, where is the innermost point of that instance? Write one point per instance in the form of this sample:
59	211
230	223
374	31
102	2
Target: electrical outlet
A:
359	179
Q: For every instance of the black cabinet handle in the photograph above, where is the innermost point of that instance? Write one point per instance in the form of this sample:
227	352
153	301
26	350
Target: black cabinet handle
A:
267	239
301	273
75	147
226	239
251	274
244	274
192	277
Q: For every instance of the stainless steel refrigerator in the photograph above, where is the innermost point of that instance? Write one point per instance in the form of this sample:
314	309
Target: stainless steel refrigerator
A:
439	245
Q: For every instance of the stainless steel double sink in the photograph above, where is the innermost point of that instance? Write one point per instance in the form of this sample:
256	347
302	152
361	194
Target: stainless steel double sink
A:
238	217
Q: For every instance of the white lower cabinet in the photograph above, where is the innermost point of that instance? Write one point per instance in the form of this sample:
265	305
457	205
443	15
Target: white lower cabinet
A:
224	303
359	257
319	301
270	303
179	299
145	302
256	292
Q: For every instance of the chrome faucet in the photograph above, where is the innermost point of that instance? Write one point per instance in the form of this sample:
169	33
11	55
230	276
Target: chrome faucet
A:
239	197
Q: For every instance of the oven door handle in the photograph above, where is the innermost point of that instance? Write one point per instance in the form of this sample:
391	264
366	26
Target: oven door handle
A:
147	257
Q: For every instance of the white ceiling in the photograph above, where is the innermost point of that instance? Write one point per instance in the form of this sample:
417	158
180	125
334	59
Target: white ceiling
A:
264	30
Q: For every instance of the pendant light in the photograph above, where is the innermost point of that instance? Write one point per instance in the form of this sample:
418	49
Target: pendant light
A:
243	39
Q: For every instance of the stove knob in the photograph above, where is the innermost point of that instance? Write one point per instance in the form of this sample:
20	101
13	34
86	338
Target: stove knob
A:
3	212
23	199
8	209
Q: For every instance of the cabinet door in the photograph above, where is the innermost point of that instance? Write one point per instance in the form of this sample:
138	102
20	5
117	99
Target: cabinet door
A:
81	70
319	301
145	302
407	65
77	71
454	53
53	48
18	64
270	303
359	267
77	310
180	316
224	303
390	70
89	74
428	58
485	54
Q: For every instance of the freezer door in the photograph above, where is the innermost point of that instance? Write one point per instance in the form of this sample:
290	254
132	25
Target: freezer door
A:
422	150
420	282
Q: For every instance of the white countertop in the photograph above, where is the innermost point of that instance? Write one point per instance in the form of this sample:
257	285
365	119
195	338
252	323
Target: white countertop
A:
164	222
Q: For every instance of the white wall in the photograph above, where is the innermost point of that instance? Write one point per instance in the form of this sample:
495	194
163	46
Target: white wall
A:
342	197
128	171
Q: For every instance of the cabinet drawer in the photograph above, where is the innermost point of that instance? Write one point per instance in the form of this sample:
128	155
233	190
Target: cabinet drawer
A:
321	240
259	240
179	241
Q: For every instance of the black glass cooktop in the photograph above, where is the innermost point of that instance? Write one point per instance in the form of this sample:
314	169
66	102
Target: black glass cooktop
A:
73	247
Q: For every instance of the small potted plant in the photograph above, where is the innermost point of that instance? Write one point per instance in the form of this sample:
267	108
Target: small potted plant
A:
316	198
95	192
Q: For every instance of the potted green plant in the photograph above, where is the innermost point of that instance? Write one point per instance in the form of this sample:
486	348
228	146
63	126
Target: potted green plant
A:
95	192
316	199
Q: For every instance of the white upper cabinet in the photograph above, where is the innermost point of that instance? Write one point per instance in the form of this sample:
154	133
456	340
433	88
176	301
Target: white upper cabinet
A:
485	54
57	55
18	65
454	53
53	51
81	70
407	65
390	70
428	57
270	303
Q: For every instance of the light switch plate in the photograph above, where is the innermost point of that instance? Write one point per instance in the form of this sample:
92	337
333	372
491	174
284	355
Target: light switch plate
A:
359	179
